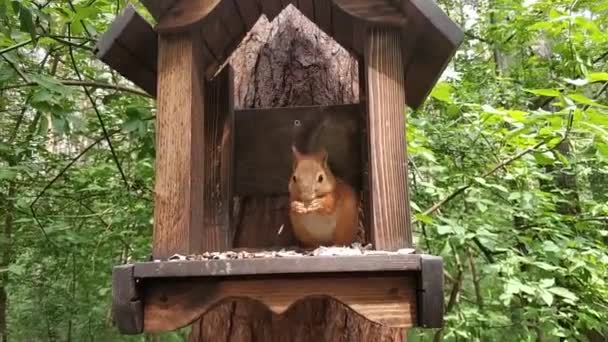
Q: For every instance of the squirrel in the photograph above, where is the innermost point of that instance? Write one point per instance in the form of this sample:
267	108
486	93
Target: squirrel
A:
323	208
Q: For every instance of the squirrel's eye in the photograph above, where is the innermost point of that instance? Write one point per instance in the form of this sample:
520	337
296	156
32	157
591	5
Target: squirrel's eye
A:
320	178
294	179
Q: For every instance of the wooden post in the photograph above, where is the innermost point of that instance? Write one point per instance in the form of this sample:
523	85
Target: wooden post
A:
187	119
384	73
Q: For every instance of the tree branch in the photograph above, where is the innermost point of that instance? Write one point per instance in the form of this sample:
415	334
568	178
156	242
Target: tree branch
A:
59	175
15	47
462	189
103	126
84	84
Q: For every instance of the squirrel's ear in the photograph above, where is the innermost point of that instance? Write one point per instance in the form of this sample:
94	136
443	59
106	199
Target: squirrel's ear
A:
296	154
323	156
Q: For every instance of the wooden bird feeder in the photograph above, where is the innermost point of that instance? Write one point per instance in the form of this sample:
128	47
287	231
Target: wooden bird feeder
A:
207	153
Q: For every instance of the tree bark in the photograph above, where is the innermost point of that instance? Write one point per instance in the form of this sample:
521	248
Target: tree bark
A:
6	244
288	62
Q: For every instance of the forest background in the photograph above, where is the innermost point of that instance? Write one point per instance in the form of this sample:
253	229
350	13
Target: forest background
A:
509	181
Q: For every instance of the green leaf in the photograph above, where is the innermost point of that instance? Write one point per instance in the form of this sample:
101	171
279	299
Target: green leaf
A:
564	293
480	180
43	126
547	297
546	283
580	98
16	269
60	124
444	230
544	92
597	76
443	92
50	84
42	95
544	158
424	218
26	22
544	266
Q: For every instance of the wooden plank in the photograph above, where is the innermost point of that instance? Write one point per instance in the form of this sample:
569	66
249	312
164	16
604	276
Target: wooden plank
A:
323	15
359	31
232	20
216	37
259	172
271	8
250	11
434	39
381	12
382	298
390	216
430	292
307	8
185	13
127	307
365	148
234	24
217	162
342	28
178	212
125	64
129	47
278	265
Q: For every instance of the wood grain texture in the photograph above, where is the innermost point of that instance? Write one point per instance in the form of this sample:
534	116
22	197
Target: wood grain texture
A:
384	299
261	173
278	265
184	13
130	47
218	158
127	307
179	123
390	215
366	198
430	294
430	38
315	319
381	12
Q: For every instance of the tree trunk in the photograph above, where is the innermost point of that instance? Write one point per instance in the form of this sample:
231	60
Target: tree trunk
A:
288	62
6	244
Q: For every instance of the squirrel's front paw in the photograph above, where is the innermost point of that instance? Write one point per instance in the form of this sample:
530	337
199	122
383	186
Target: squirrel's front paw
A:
298	207
315	205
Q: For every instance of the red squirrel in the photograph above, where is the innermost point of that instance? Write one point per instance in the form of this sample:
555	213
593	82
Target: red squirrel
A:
323	208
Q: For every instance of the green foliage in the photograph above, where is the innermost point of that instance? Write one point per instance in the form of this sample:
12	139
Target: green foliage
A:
526	243
518	131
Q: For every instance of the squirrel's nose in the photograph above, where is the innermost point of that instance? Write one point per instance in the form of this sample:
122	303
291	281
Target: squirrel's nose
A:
308	196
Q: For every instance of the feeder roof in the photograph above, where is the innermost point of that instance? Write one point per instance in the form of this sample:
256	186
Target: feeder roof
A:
429	37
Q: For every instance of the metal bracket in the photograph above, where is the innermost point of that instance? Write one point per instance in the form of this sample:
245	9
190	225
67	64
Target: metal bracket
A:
430	292
127	307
